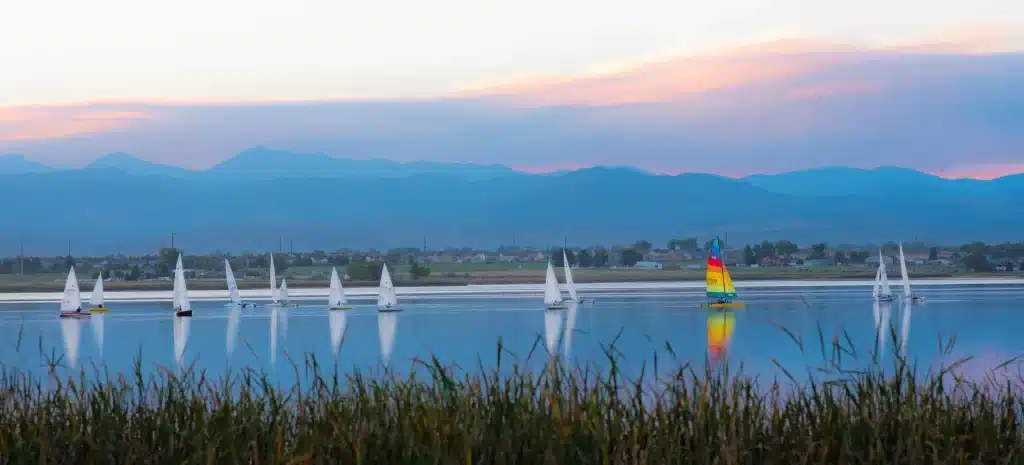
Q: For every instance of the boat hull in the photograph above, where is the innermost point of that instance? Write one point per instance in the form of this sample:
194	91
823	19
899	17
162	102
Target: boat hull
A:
74	314
393	308
183	313
723	305
560	306
340	307
885	299
281	305
98	310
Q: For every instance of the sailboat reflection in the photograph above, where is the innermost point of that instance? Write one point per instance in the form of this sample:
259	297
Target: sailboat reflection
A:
234	318
883	312
337	322
905	327
387	324
570	326
284	323
552	329
720	328
181	330
273	335
97	330
71	329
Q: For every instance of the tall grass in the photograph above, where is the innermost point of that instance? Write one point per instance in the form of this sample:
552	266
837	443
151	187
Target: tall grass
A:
510	415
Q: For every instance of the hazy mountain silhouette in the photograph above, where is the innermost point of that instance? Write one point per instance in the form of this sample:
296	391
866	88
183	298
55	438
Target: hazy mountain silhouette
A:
18	164
135	166
590	206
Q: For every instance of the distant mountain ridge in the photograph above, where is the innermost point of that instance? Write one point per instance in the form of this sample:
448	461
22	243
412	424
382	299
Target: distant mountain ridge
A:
588	207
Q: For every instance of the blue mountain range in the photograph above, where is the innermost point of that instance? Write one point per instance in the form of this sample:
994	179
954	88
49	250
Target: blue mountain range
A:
122	204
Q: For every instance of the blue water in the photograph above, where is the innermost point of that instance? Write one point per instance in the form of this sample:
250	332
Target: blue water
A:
637	328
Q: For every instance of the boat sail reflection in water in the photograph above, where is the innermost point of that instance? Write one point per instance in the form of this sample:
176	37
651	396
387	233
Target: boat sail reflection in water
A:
336	323
387	325
71	330
720	328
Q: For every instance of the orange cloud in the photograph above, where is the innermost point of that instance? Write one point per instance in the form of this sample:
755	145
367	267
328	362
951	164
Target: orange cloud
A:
37	123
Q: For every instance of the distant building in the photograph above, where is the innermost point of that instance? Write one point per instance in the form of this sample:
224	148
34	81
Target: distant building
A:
648	265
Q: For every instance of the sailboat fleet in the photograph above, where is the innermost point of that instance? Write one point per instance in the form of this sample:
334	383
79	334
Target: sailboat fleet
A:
882	291
553	299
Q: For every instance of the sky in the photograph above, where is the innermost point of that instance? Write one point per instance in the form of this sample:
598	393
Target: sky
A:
119	75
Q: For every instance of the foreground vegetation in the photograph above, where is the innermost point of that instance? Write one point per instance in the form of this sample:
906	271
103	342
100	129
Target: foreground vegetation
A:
554	416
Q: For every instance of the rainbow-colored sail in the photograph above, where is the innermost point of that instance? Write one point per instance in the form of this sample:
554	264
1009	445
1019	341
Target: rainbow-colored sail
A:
718	280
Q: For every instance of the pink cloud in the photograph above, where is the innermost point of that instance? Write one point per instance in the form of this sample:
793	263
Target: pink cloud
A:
984	171
42	123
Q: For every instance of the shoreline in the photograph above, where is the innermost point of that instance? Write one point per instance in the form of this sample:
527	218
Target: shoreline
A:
492	290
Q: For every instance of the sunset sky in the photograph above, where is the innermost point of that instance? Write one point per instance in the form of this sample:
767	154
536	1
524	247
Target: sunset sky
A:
430	80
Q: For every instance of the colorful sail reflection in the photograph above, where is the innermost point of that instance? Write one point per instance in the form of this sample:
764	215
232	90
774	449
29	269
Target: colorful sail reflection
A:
720	327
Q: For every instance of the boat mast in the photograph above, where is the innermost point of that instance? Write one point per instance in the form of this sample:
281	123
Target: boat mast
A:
721	256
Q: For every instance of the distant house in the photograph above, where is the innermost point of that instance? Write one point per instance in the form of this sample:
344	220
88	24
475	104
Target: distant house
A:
321	261
648	265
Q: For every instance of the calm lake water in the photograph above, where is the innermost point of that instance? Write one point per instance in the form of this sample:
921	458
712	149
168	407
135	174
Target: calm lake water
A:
985	320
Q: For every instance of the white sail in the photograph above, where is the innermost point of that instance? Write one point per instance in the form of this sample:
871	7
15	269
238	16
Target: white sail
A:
181	302
234	318
552	296
387	325
876	291
886	290
284	290
97	330
181	330
72	298
570	326
96	298
336	321
232	284
71	329
569	284
337	294
903	272
386	296
274	297
552	329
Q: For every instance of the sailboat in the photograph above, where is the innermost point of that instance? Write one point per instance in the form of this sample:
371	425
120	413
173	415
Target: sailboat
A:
71	305
182	307
907	293
552	296
275	298
283	295
234	297
882	292
570	285
96	298
387	300
719	283
336	298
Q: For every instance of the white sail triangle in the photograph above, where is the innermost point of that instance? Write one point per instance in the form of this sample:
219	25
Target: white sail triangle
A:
386	296
876	291
181	302
273	282
284	290
72	297
903	273
232	284
552	296
336	298
569	284
96	298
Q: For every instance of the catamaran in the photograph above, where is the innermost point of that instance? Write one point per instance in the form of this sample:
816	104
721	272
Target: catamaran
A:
908	295
552	295
882	292
71	305
233	295
387	300
96	298
719	283
570	285
182	307
336	298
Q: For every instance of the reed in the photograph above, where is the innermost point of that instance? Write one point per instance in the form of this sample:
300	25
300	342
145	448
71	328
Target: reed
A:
562	414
